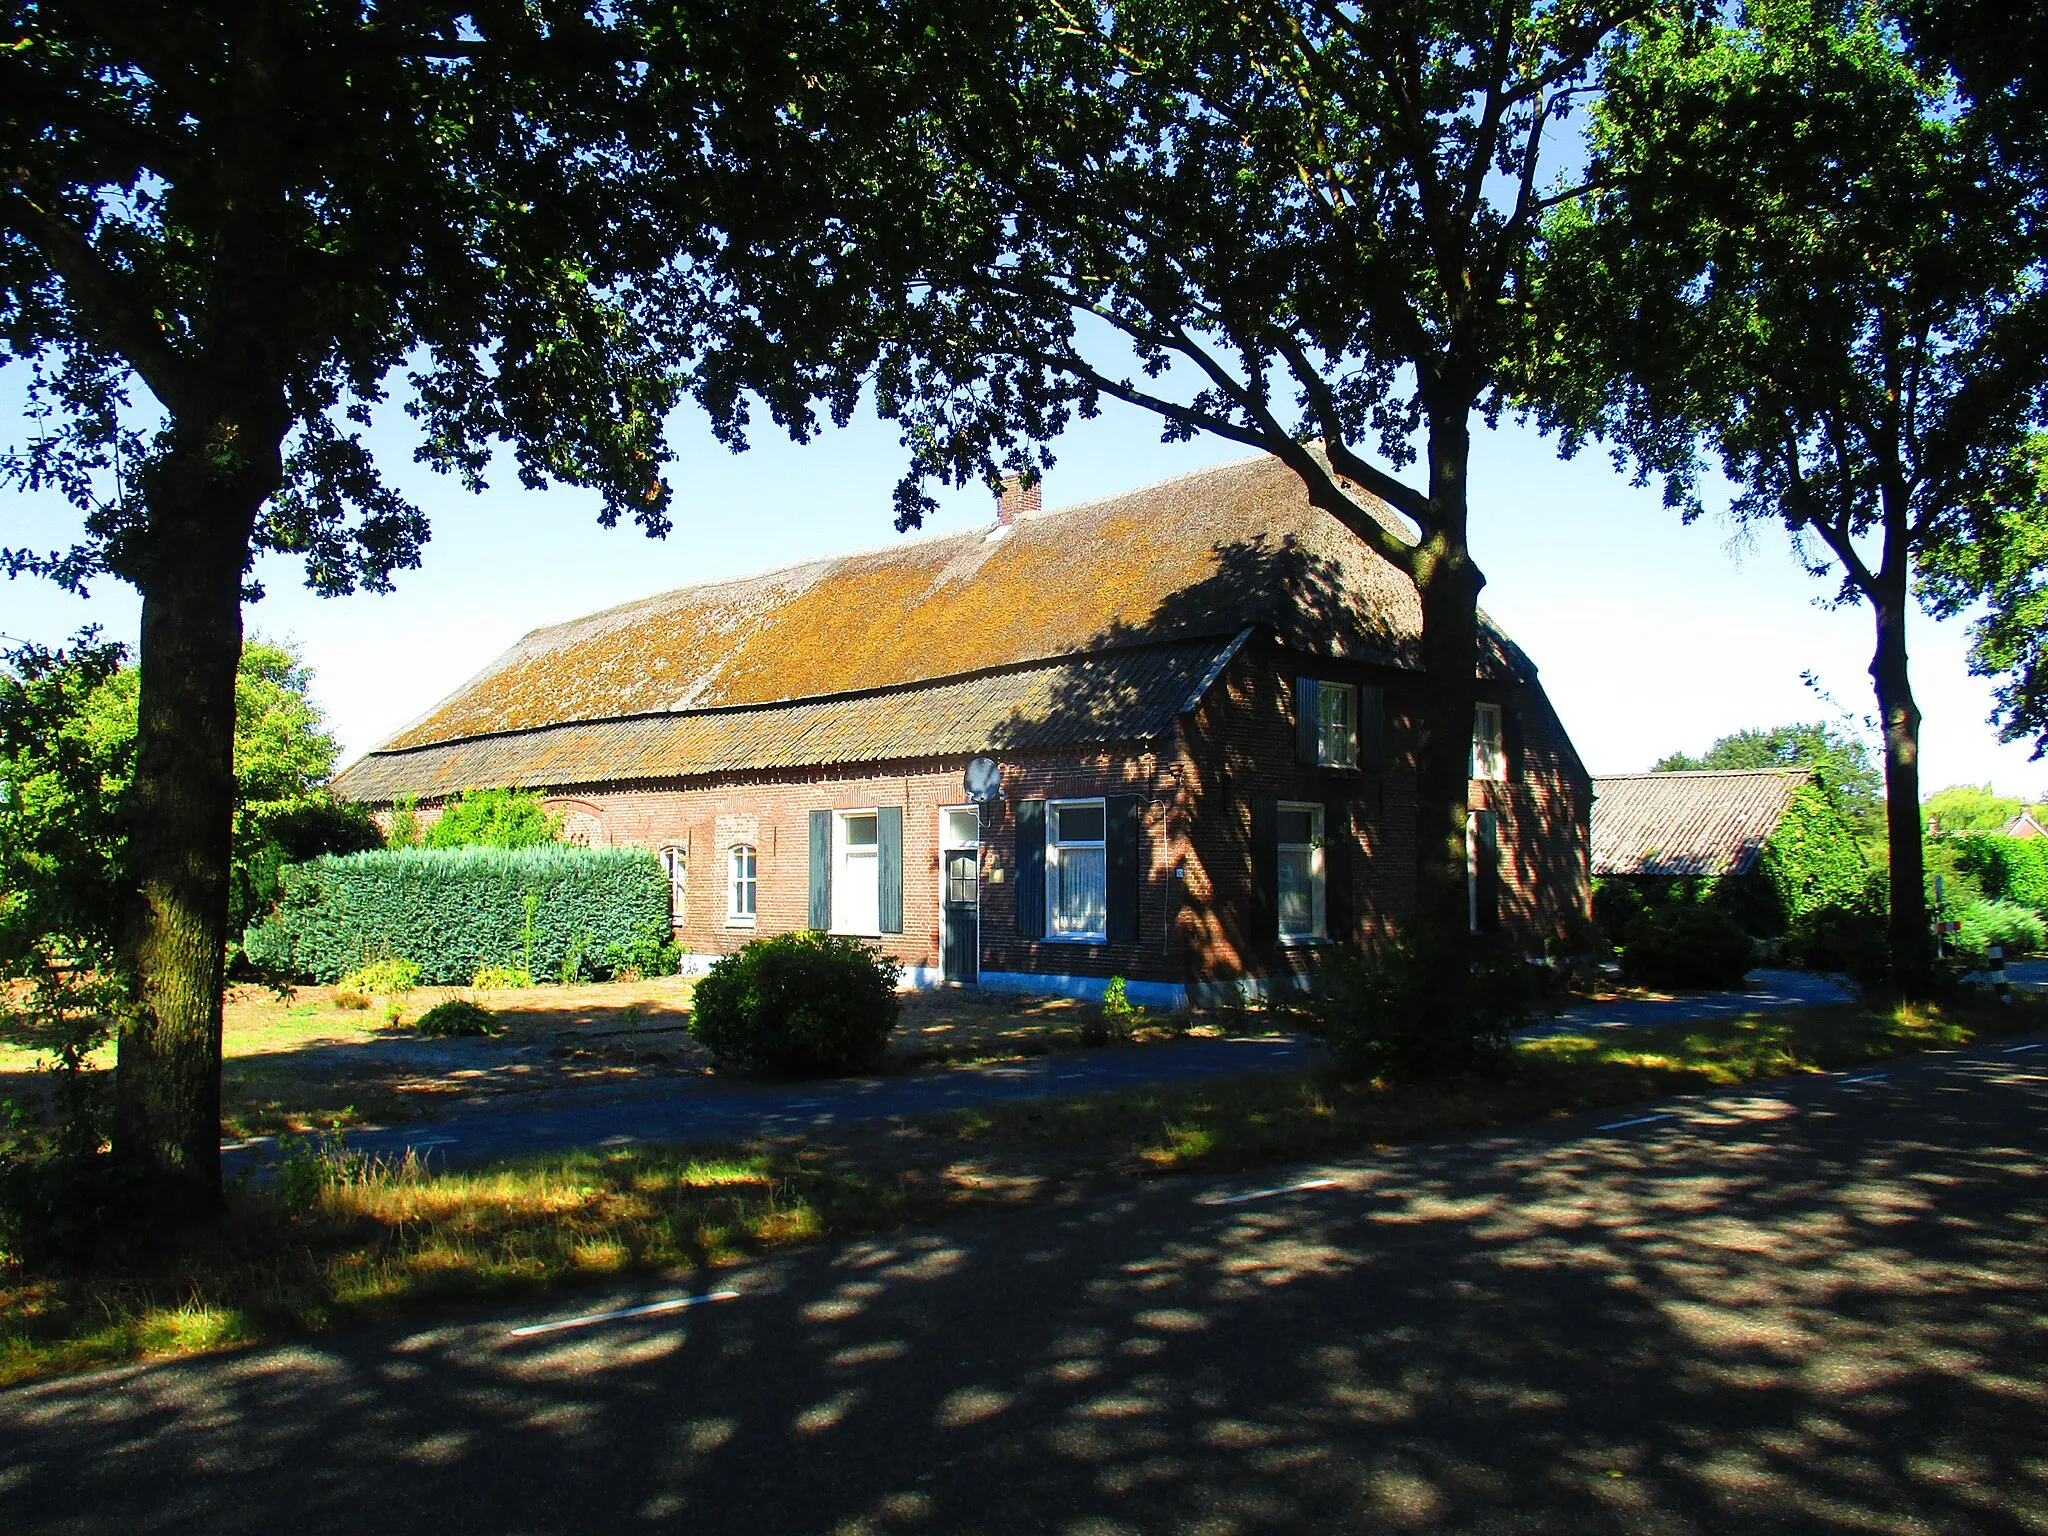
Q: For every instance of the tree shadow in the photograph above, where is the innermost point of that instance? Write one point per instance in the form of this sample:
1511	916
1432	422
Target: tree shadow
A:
1791	1320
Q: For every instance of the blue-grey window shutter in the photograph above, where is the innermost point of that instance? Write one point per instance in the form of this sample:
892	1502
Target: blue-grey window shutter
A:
1125	823
1307	720
1372	727
1337	911
1265	870
889	867
821	870
1030	896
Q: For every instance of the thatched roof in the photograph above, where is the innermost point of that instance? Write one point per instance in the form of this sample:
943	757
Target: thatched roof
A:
743	674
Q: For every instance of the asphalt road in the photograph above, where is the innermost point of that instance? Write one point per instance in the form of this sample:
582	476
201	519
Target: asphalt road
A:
701	1110
1806	1306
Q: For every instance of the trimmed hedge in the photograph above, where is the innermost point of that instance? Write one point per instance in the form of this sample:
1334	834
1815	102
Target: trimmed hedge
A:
2011	869
452	910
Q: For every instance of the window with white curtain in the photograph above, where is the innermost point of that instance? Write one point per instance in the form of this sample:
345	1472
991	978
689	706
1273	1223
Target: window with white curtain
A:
1076	874
1301	895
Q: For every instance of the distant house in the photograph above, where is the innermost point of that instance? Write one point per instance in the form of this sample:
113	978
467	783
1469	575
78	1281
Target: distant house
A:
1197	702
2023	825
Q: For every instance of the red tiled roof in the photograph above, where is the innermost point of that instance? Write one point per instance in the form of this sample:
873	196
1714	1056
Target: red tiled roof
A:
1712	822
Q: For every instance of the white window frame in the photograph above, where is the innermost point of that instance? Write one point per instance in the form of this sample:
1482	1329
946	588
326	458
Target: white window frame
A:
1336	748
1056	847
844	864
1319	885
675	863
1489	747
742	885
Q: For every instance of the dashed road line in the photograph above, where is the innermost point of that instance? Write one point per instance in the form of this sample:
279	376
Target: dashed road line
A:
1268	1194
2011	1050
1616	1125
435	1141
1868	1077
675	1304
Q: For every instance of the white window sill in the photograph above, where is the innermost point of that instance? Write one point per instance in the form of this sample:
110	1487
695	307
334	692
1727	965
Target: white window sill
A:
858	933
1076	938
740	922
1303	940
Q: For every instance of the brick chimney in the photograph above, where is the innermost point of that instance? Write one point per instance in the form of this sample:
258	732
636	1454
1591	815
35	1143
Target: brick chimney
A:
1016	497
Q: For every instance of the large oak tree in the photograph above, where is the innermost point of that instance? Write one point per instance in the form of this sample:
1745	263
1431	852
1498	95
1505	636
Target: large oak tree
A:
1809	263
1302	226
224	226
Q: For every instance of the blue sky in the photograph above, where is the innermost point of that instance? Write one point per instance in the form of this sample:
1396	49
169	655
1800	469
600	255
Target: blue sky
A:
1651	636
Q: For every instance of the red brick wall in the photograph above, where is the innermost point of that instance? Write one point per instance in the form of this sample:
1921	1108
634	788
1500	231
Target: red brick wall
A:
1195	789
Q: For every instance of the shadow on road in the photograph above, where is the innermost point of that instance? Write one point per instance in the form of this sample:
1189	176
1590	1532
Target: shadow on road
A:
1777	1313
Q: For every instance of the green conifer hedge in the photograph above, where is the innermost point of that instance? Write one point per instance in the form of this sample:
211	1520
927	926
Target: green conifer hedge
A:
452	910
2013	869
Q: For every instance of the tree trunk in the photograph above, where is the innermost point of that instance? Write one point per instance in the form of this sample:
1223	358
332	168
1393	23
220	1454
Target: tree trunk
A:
1911	961
1448	584
180	810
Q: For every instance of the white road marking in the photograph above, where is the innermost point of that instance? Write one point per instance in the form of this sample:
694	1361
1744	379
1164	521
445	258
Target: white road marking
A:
1615	1125
1868	1077
435	1141
2011	1049
675	1305
1267	1194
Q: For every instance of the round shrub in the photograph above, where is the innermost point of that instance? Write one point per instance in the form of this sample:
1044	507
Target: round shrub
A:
457	1016
1849	941
797	1005
1684	946
500	978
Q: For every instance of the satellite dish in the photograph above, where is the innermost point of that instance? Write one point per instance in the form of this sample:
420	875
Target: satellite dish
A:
984	781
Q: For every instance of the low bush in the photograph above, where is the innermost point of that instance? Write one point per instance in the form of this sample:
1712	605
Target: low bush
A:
653	952
500	978
798	1005
381	978
1682	946
351	1000
457	1016
1115	1019
1984	923
1385	1018
1846	941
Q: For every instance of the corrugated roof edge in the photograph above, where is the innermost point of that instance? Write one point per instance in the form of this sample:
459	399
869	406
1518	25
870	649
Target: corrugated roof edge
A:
1230	644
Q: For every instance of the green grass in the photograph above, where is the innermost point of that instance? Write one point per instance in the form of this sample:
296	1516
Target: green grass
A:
335	1241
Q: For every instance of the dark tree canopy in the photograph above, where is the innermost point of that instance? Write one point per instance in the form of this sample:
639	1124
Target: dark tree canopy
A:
1305	228
226	226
